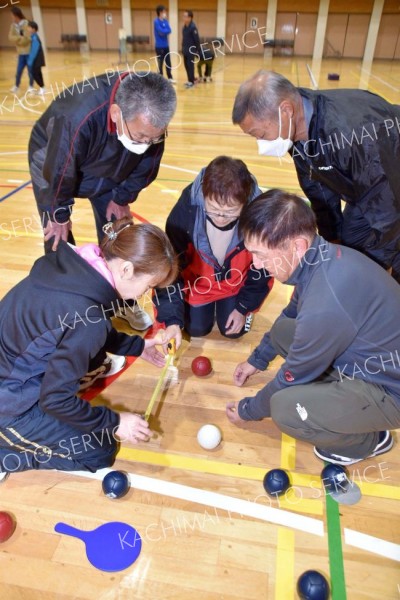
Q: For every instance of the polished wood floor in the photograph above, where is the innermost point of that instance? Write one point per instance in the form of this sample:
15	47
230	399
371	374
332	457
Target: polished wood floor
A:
189	550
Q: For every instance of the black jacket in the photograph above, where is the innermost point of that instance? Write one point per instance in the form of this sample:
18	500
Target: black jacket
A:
51	324
74	151
190	40
353	153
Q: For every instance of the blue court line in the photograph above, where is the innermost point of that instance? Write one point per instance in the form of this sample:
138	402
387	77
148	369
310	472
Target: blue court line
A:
21	187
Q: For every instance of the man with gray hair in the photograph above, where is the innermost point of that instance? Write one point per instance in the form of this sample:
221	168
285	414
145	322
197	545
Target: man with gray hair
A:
102	140
345	145
339	385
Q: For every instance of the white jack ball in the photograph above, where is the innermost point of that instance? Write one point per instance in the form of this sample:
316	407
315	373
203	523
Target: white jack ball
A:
209	437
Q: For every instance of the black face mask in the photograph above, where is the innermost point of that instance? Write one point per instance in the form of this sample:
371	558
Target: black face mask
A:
230	225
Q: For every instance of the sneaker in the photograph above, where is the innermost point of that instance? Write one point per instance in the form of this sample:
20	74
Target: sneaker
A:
31	90
384	444
208	79
42	91
3	477
112	364
189	84
137	318
14	89
173	81
248	322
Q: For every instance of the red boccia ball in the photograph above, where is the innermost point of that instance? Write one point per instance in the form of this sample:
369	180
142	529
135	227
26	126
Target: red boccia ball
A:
201	366
7	526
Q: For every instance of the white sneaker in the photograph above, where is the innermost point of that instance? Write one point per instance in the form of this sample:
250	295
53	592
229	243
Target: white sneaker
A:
14	89
137	317
112	364
173	81
3	477
42	91
31	90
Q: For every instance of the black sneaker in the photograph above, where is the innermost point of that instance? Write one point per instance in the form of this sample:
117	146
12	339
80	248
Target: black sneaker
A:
384	444
248	322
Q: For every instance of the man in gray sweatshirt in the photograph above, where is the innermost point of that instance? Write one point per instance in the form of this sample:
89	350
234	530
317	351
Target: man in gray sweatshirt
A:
339	387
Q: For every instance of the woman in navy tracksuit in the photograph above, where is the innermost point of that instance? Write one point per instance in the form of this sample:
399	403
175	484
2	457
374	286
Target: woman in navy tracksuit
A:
53	325
218	281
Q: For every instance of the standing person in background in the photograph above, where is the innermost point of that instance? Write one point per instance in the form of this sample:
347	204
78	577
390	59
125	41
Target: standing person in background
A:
20	37
190	46
36	57
206	59
162	30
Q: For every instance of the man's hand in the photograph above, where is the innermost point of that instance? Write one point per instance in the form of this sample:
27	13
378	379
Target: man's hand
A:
117	211
133	428
242	372
235	322
233	414
57	230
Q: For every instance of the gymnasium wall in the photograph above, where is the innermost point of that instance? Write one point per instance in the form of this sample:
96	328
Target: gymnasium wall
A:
296	22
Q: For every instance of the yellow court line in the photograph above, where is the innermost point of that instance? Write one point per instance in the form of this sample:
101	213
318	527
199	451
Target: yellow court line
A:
176	461
284	570
288	452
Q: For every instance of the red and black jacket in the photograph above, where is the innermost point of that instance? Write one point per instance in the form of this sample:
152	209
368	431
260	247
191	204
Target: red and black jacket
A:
202	279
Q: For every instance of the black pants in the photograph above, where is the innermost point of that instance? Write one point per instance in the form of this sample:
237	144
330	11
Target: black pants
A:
37	75
188	60
36	440
199	320
357	233
163	55
208	67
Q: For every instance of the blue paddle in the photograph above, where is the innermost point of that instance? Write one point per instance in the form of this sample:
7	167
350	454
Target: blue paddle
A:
110	547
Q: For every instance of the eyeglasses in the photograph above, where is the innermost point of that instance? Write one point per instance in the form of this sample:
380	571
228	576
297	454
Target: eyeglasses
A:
216	215
157	140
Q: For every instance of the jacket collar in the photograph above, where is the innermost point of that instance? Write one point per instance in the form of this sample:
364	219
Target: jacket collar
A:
315	255
111	127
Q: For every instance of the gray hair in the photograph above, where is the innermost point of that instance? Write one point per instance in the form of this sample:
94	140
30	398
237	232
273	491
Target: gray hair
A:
147	94
261	95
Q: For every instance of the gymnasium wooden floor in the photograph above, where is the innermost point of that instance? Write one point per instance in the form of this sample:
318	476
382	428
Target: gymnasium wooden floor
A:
191	550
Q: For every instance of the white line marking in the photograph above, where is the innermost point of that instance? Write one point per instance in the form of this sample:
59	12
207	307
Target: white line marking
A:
372	544
15	181
231	505
15	152
179	169
381	80
169	191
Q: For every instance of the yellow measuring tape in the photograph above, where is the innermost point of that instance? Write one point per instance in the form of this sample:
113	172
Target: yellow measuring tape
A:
168	363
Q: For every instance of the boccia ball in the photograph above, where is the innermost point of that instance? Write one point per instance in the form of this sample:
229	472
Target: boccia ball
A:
209	437
335	478
201	366
7	526
115	484
311	585
276	482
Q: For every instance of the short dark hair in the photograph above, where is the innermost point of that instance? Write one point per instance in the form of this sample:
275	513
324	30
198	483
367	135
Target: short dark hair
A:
33	25
189	13
17	12
159	9
275	217
226	179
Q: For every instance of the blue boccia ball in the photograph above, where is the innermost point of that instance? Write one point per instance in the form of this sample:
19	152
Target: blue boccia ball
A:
311	585
115	484
276	482
335	478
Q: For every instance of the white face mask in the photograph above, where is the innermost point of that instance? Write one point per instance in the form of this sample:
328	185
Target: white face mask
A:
277	147
127	142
